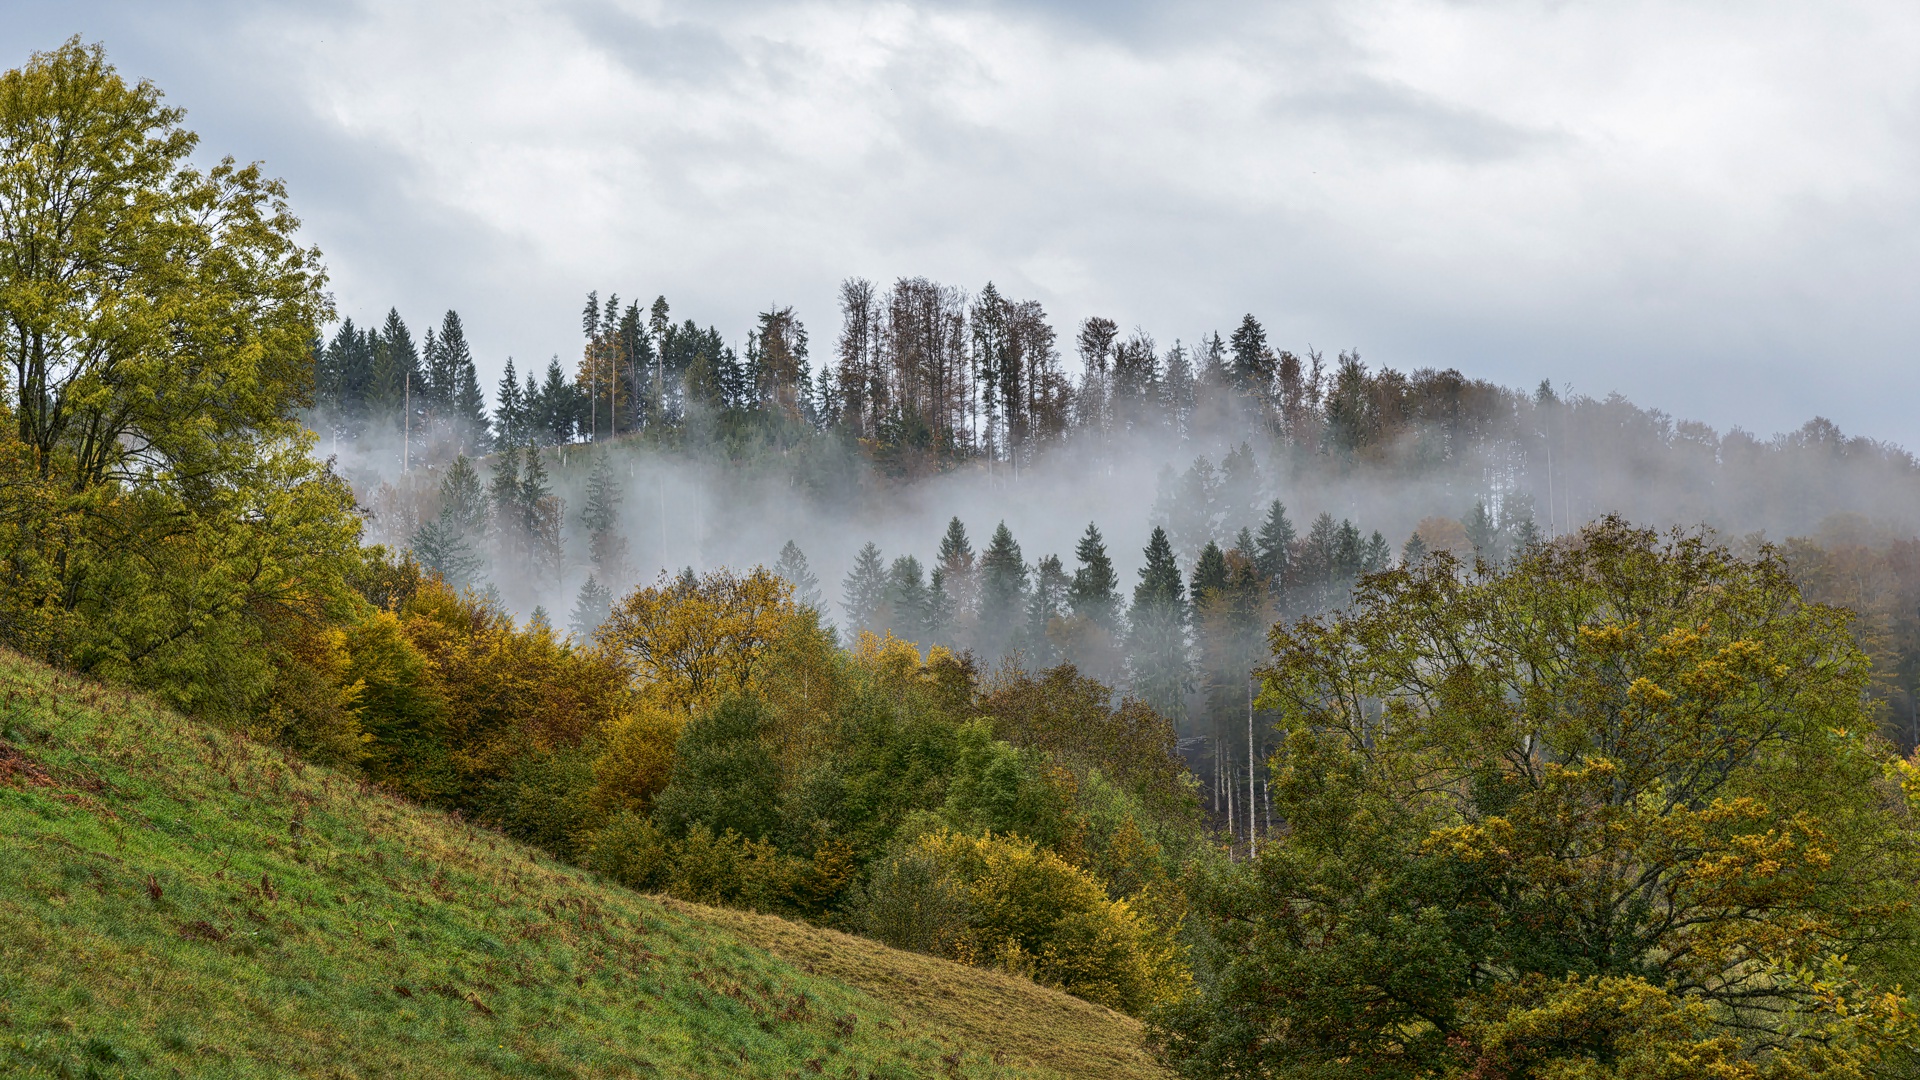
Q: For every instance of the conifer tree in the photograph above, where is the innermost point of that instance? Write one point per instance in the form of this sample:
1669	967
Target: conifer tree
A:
864	592
1483	532
1209	572
1273	548
601	516
1413	550
439	547
1048	602
1377	555
592	608
1252	362
509	517
1095	591
1003	592
466	407
509	411
792	566
1159	620
909	603
463	500
541	513
956	587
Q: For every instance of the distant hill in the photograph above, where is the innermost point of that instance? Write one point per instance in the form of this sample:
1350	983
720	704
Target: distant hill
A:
175	900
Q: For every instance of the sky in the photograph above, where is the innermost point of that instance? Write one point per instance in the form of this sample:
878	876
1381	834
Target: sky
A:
1709	208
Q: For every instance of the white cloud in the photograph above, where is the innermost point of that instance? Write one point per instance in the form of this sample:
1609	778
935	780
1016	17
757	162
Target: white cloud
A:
1705	206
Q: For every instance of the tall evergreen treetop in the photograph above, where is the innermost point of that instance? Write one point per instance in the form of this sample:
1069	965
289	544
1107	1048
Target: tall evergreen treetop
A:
1160	587
1273	548
792	566
1095	592
864	592
1209	573
1003	587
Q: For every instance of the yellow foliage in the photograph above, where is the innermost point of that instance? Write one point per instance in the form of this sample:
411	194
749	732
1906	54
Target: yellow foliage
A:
690	642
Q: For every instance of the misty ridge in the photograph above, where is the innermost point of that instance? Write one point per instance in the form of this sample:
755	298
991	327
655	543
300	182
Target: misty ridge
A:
678	450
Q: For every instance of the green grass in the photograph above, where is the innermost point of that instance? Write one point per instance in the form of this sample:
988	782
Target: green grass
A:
175	901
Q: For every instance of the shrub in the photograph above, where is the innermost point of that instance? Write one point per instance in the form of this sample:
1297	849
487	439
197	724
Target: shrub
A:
1007	901
723	777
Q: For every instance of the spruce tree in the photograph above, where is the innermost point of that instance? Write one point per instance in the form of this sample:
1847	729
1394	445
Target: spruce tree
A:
439	547
909	604
1003	591
1413	550
464	404
792	567
463	500
864	592
1051	587
1273	548
509	411
1095	592
1209	572
601	516
593	607
956	587
1483	532
1377	555
1349	553
509	516
541	513
1252	363
1159	620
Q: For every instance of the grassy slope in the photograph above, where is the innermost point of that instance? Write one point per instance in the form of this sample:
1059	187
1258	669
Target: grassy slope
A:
174	901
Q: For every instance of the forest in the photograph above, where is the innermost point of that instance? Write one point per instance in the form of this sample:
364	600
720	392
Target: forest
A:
1372	724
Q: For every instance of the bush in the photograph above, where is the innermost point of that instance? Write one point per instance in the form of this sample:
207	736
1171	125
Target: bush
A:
1008	902
630	851
723	777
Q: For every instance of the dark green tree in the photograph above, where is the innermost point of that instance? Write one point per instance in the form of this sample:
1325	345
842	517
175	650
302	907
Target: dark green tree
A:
792	567
601	516
724	776
592	608
909	602
863	595
1003	592
1159	622
1095	592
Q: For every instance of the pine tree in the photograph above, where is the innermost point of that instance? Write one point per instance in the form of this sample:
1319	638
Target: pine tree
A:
1273	548
1048	602
1209	572
1252	362
1483	532
792	566
864	592
1377	555
1003	591
593	607
463	500
559	406
909	603
956	587
1413	550
439	547
601	516
509	411
509	516
466	407
1095	591
1159	619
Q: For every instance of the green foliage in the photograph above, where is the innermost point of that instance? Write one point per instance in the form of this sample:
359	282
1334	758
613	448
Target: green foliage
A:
996	788
724	777
1006	901
163	514
1621	804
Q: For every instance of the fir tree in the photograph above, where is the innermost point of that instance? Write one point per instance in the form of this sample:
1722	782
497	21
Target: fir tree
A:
792	566
864	592
1048	602
541	512
1209	572
955	587
439	547
909	603
464	500
1159	619
1252	363
1483	532
509	516
1095	592
466	407
593	607
1003	591
1273	548
1413	550
510	410
601	516
1377	555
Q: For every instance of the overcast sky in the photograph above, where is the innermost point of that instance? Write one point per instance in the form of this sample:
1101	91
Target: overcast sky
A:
1711	208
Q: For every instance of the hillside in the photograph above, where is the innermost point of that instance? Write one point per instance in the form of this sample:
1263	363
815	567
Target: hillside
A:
178	901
